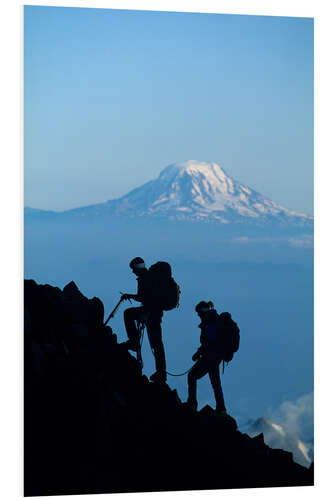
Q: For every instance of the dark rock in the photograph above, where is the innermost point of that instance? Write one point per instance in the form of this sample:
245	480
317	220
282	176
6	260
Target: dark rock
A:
206	411
94	424
259	440
229	422
281	455
72	290
97	311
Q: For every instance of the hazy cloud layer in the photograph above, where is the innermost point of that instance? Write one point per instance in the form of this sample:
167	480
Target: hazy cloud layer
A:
248	239
305	241
296	417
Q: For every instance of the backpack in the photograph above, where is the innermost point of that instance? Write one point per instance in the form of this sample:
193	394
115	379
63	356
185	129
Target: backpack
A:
227	336
165	290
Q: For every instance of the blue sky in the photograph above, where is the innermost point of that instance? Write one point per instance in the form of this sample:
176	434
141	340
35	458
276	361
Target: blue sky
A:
111	97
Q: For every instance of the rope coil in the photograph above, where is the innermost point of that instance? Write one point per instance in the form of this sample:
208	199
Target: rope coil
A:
179	374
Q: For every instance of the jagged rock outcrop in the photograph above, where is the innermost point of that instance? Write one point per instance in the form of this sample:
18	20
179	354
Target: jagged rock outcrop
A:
94	424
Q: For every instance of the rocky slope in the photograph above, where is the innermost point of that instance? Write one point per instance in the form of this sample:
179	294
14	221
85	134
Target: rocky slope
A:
94	424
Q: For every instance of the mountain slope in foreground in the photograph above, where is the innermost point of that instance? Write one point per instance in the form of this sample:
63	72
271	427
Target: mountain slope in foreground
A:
197	191
94	424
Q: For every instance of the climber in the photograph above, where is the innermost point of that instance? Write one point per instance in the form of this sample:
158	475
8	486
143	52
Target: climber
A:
207	357
150	313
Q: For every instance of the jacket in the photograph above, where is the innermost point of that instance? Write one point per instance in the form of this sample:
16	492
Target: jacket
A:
145	293
208	336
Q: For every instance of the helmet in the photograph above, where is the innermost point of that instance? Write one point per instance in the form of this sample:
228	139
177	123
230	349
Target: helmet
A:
204	306
137	263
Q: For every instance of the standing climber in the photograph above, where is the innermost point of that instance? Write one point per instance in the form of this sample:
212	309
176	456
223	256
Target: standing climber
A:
151	313
208	358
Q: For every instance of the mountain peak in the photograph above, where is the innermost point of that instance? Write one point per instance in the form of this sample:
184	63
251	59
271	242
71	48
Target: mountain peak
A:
193	167
198	191
193	185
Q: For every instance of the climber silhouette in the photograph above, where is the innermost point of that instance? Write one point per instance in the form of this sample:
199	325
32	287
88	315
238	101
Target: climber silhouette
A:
207	358
150	313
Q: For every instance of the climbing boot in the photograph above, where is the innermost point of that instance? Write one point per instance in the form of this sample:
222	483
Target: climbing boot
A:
221	411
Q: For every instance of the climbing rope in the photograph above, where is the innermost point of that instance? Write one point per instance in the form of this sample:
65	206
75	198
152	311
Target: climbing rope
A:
141	329
179	374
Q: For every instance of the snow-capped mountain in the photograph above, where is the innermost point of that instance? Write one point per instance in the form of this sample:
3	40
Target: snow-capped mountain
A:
276	436
200	191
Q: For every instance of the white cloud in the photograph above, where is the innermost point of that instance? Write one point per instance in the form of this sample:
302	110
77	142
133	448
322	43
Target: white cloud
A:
305	241
295	416
262	239
296	420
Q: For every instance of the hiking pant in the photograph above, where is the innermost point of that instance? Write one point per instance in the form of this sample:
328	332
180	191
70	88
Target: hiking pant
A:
203	366
154	331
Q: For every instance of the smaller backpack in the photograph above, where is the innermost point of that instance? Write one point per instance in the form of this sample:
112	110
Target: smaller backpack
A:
227	336
165	290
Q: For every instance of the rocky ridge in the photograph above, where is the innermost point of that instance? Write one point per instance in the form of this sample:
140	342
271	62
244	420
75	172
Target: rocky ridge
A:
94	424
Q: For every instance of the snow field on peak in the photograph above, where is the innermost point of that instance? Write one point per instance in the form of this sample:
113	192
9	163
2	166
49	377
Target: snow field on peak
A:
197	190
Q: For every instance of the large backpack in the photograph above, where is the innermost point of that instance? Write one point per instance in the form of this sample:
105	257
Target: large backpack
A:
227	336
164	288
